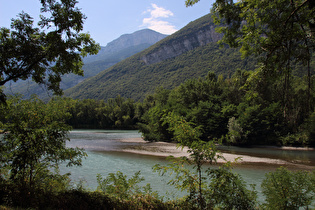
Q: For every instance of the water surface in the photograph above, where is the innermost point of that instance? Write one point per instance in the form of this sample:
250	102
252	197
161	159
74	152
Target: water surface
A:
104	157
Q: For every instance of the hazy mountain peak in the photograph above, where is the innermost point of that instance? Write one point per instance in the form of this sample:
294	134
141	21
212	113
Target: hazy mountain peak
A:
145	36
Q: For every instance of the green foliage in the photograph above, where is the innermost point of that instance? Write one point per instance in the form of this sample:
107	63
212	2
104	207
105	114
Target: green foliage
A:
152	124
116	113
128	194
281	34
48	52
120	186
154	128
310	128
221	189
193	181
200	102
243	110
260	125
227	190
48	185
254	25
200	153
33	143
235	131
185	133
288	190
191	2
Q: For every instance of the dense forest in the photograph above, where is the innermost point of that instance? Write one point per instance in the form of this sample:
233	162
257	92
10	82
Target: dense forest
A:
245	109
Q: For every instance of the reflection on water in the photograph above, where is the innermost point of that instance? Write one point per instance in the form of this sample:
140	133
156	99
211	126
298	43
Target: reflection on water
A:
104	157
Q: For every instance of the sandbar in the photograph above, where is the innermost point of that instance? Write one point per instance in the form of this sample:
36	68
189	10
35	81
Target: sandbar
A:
165	149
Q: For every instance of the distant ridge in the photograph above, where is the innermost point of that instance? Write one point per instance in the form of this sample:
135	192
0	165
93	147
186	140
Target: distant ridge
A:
115	51
138	40
146	36
189	53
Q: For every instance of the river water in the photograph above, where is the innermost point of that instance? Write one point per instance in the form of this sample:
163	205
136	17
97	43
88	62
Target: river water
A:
104	157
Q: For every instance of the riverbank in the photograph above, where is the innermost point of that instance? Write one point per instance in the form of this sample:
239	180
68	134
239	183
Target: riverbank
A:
165	149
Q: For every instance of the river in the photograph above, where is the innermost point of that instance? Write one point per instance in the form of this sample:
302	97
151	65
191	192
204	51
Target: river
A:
105	155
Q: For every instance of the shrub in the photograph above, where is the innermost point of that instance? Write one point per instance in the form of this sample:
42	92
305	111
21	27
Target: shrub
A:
288	190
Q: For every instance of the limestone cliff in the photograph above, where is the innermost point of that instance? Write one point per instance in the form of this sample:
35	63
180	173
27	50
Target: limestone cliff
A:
182	42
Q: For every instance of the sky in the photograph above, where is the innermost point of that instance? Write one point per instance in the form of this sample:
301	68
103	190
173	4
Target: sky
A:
109	19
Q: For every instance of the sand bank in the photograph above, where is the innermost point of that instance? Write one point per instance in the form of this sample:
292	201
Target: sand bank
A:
164	149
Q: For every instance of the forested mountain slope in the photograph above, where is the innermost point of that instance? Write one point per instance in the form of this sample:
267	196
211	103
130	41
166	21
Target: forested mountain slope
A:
114	52
189	53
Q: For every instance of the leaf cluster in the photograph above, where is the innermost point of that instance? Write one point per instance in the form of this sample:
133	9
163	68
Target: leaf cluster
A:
46	52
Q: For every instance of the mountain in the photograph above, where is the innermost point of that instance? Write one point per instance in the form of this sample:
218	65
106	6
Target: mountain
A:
189	53
114	52
126	45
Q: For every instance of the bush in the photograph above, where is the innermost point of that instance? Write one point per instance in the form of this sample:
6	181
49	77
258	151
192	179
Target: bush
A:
288	190
227	190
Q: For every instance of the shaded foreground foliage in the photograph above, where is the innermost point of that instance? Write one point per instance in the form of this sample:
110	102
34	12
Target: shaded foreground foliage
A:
220	188
33	145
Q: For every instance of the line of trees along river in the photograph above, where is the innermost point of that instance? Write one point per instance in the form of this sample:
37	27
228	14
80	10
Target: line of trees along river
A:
243	110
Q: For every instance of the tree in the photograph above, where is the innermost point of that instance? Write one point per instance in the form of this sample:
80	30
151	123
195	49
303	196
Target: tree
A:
225	189
280	32
46	52
34	142
200	153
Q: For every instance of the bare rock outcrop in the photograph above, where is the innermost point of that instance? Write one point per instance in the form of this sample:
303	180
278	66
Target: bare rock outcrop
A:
178	46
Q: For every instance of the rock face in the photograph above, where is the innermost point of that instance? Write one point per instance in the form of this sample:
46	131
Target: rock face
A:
145	36
178	46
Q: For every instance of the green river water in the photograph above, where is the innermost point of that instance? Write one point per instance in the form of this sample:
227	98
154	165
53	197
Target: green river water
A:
104	157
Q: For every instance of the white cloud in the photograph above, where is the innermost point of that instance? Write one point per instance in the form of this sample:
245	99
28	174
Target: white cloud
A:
155	21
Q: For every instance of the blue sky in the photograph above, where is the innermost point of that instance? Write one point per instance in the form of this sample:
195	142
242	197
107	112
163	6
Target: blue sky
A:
108	19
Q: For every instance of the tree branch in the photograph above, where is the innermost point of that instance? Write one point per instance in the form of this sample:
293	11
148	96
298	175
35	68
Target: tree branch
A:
294	11
22	72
